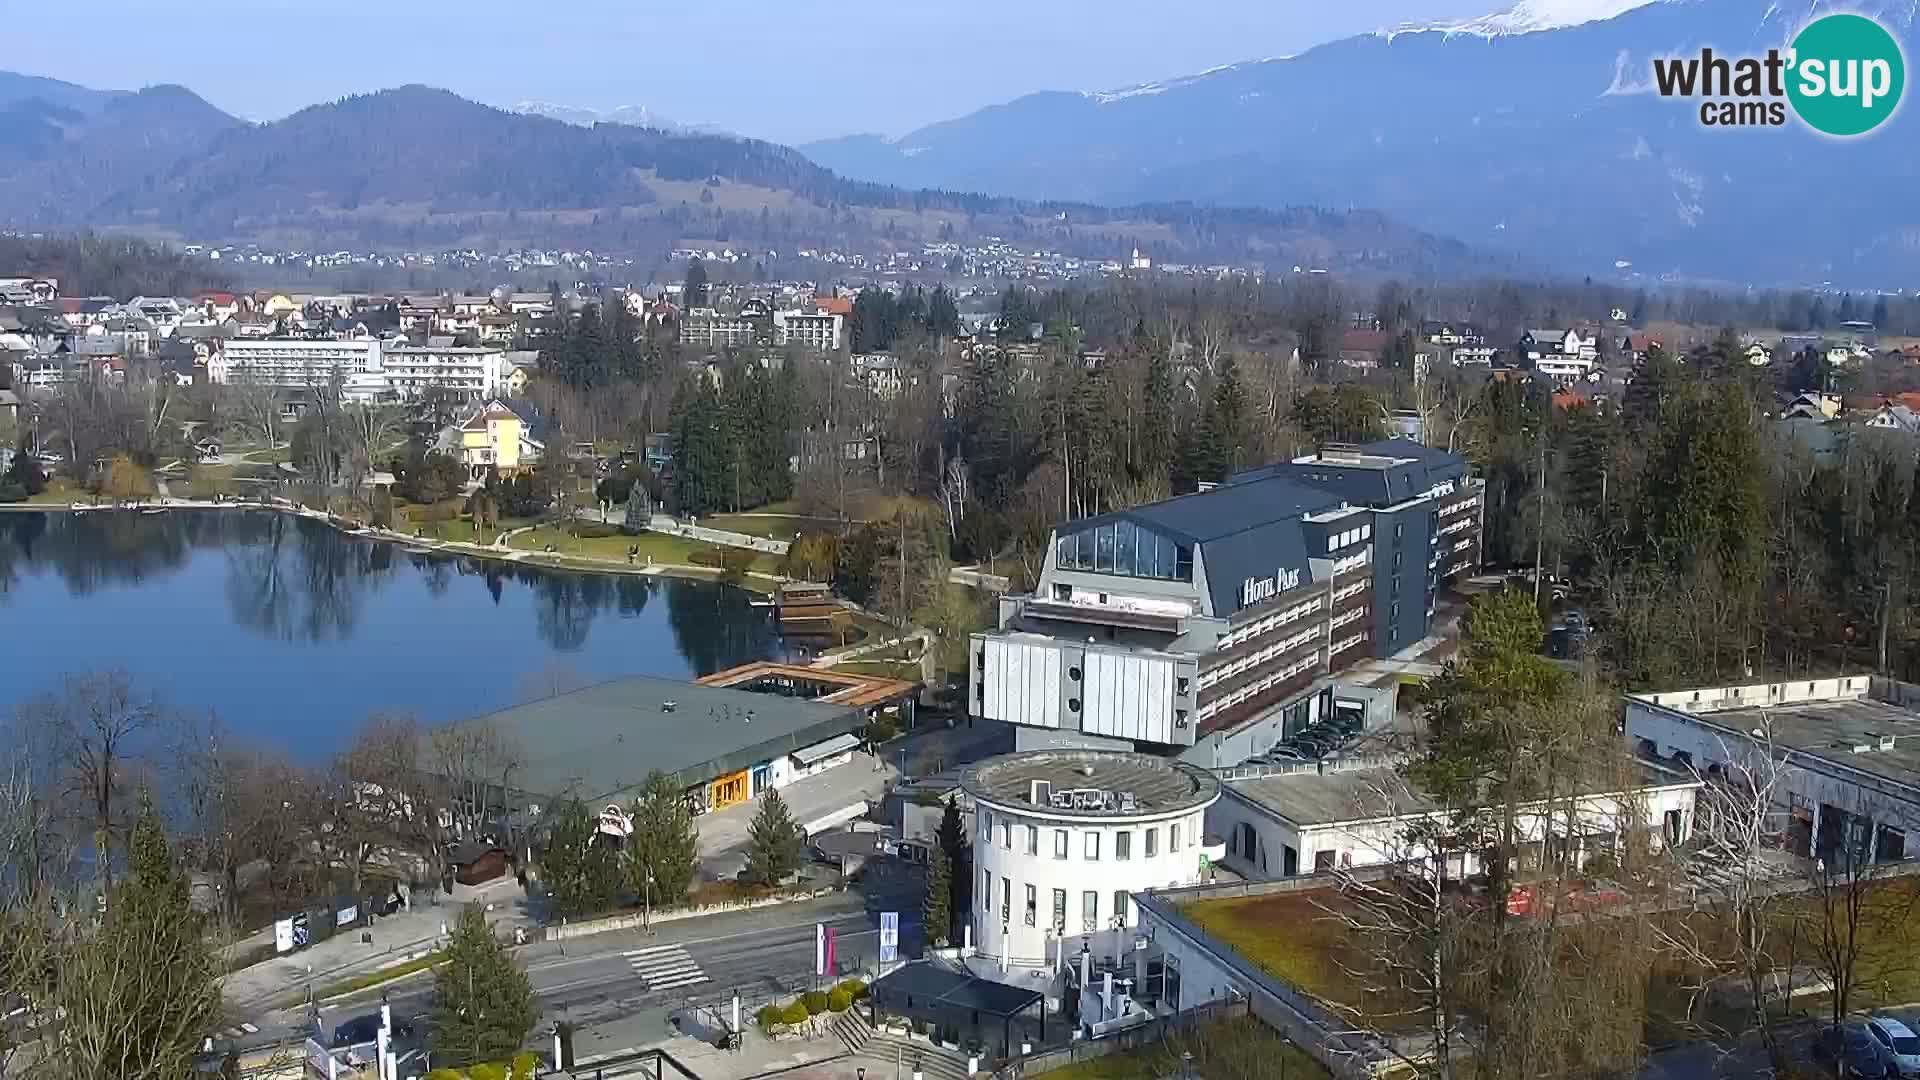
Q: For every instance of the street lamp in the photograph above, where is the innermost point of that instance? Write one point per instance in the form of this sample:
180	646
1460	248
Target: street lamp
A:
1186	1064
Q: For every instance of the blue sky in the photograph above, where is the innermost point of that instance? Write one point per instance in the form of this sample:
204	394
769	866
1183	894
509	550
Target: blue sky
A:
779	70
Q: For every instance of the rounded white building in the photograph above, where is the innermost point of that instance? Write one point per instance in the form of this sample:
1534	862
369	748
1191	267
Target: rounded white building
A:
1063	836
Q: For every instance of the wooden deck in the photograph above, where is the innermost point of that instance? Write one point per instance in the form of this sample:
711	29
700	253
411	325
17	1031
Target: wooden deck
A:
847	688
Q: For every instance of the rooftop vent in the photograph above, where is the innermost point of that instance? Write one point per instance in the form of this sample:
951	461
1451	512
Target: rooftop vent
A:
668	706
1886	742
1040	793
1086	770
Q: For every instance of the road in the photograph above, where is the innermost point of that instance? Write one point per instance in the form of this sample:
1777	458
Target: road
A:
1746	1059
621	988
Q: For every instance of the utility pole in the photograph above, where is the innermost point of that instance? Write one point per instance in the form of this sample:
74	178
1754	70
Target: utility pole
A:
1540	518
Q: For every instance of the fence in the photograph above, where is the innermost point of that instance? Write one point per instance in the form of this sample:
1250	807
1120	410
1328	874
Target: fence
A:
1120	1042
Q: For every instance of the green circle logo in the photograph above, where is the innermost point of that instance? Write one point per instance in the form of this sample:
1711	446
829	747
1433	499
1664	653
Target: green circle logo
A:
1846	75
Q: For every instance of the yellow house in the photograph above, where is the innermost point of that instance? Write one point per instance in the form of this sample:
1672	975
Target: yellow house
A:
278	304
498	438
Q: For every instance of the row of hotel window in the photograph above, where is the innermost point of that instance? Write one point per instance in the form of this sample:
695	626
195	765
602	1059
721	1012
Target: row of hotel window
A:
1004	832
1121	547
1089	906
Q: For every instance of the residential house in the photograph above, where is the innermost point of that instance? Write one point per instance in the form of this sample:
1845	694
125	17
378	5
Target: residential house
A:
1758	355
504	435
1811	404
1563	355
1899	418
1633	348
412	370
521	366
26	290
881	374
9	405
1458	344
819	331
1362	348
418	314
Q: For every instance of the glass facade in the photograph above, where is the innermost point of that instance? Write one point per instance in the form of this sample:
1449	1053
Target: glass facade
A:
1121	547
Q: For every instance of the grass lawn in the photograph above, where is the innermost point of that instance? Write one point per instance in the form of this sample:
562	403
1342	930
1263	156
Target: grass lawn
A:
774	528
884	668
657	546
1230	1050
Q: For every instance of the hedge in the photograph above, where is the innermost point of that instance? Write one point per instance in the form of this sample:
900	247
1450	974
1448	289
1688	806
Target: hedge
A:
795	1013
525	1065
856	989
593	530
815	1001
487	1071
839	1000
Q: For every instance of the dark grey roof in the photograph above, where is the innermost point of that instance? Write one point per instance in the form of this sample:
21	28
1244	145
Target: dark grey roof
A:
925	987
1244	530
602	741
1386	472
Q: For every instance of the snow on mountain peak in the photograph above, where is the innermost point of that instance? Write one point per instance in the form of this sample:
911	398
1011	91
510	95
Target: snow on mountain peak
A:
1108	97
1531	16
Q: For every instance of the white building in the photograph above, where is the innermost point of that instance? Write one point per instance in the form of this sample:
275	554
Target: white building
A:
474	373
815	330
296	362
1296	822
1846	754
1063	837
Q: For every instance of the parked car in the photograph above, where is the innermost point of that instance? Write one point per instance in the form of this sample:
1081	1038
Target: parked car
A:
1899	1041
365	1029
1856	1051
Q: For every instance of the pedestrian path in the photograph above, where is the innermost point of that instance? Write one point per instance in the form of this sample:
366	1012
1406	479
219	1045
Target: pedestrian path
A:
664	967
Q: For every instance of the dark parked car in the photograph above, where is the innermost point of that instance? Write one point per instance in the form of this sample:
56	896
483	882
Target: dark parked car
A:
1855	1050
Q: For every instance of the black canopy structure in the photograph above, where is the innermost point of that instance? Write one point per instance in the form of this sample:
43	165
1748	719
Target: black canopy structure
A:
959	1000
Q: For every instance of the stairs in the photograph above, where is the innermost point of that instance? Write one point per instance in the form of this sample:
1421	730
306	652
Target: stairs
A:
852	1029
882	1050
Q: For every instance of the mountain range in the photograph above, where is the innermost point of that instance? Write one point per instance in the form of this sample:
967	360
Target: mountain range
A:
423	169
1534	131
629	115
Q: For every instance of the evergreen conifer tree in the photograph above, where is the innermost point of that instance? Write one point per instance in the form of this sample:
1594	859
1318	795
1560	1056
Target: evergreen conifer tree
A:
483	1004
773	842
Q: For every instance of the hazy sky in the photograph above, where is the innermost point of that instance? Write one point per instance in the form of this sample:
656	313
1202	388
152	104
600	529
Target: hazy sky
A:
786	71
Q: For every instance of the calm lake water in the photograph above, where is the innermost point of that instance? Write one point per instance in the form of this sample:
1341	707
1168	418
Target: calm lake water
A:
294	632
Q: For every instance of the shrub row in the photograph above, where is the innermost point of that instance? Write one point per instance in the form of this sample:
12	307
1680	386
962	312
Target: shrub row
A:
813	1003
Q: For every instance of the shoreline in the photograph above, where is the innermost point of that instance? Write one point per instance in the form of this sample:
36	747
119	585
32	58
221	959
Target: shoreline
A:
767	585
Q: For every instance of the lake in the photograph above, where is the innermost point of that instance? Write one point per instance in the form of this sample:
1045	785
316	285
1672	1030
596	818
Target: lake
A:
294	632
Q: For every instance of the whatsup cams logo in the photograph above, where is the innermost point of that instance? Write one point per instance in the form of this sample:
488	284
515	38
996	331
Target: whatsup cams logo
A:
1843	75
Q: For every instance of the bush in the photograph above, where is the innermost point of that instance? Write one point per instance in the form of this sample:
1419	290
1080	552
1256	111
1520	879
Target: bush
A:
880	730
795	1013
525	1065
593	530
855	988
769	1015
815	1001
487	1071
440	511
839	1000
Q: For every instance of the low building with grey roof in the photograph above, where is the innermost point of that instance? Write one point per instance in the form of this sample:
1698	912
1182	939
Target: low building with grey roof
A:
1286	820
1843	754
722	746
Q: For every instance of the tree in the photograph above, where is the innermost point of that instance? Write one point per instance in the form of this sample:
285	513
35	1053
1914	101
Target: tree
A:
694	294
26	473
124	481
578	863
773	842
98	727
936	907
952	841
483	1005
663	854
137	996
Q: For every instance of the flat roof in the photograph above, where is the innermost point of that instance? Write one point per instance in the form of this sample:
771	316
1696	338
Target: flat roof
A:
1157	786
603	741
1838	721
1312	799
928	985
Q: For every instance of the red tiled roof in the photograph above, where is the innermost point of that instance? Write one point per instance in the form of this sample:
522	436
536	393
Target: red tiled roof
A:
833	305
1363	340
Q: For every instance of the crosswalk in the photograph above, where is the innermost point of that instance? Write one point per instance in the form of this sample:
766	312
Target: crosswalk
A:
664	967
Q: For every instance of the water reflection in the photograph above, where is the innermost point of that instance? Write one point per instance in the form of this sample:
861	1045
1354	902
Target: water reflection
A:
290	579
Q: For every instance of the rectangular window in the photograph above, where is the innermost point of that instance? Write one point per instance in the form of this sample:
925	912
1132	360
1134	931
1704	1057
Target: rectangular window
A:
1120	907
986	826
986	890
1063	593
1059	911
1064	551
1183	563
1033	839
1322	861
1123	547
1103	549
1033	904
1166	560
1006	900
1059	843
1006	835
1093	845
1173	837
1153	842
1123	844
1083	545
1089	911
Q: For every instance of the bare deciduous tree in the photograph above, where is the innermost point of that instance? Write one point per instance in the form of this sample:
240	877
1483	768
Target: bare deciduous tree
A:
99	727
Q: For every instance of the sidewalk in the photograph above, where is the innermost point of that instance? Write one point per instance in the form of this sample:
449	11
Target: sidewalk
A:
345	955
815	803
758	1055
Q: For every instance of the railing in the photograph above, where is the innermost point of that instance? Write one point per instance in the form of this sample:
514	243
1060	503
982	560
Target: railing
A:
1136	1037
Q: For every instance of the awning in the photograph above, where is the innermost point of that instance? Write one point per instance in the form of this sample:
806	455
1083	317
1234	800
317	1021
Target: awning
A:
821	751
